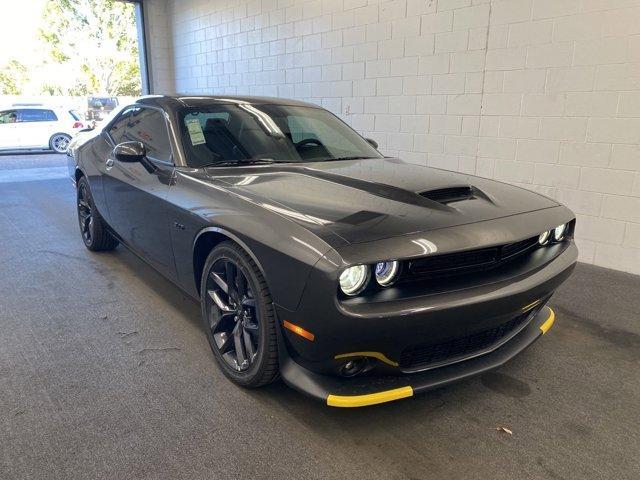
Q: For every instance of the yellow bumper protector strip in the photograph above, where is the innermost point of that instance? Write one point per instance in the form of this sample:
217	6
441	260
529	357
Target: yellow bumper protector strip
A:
380	356
349	401
548	322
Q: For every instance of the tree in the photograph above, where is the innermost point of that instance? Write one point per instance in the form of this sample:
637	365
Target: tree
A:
12	78
97	41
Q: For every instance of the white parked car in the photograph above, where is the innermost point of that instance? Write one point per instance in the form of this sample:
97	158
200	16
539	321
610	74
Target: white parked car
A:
38	127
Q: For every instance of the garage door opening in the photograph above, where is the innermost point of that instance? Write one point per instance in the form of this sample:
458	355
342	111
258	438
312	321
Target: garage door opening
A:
69	64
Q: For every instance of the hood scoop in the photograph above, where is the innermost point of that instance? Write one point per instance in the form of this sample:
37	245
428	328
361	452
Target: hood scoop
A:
451	194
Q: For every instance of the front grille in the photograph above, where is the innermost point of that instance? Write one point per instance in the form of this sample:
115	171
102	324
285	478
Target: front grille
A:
454	261
437	266
513	249
425	356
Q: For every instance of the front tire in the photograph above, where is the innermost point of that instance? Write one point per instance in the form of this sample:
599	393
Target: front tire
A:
59	142
238	316
95	234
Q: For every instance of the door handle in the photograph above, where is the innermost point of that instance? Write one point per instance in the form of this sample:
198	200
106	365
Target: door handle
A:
109	163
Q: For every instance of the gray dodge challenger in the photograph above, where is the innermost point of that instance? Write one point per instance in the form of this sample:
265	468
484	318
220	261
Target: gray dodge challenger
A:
357	278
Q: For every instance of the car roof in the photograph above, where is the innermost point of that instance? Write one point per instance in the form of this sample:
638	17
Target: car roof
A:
36	106
174	102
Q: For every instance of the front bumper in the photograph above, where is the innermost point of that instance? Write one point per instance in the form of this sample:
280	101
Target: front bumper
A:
371	390
407	335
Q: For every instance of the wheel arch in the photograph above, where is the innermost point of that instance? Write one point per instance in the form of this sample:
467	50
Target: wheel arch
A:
53	135
78	174
206	240
60	133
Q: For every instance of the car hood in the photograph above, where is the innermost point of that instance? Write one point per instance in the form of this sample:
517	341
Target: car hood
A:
372	199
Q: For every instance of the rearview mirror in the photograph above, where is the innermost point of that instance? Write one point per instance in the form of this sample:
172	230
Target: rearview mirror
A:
130	152
372	142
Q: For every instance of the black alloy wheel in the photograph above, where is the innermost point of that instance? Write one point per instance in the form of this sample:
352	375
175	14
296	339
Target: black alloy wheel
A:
85	213
238	316
233	318
95	233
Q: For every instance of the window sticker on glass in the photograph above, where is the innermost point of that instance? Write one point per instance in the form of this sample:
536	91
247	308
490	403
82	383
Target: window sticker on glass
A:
195	131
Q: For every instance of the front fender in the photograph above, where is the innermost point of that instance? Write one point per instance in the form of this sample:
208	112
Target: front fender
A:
284	251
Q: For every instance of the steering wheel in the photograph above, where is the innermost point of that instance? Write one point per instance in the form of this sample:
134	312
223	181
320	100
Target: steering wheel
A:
308	141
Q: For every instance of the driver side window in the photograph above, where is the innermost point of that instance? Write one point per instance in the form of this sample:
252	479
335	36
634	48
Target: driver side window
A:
148	126
8	116
117	128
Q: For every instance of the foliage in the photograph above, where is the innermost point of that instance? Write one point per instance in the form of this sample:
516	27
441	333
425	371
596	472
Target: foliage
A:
97	41
12	78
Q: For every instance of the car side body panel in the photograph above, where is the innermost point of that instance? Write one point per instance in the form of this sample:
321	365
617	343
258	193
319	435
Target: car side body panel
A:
193	203
138	210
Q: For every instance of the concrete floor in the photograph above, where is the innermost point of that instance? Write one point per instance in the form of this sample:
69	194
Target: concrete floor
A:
105	373
27	167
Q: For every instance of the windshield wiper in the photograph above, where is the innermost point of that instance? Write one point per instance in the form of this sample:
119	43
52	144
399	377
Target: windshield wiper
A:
352	157
244	161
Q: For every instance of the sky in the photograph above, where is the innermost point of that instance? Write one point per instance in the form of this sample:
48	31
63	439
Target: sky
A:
20	21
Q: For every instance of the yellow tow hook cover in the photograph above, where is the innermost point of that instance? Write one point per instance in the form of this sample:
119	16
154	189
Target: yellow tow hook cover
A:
350	401
548	322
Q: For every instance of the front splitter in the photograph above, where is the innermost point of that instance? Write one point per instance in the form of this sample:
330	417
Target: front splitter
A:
372	390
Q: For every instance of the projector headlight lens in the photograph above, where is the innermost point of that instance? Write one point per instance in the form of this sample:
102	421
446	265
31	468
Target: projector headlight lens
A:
354	279
544	238
559	231
387	272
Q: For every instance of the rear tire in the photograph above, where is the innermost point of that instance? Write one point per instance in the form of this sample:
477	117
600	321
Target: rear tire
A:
239	317
59	142
94	231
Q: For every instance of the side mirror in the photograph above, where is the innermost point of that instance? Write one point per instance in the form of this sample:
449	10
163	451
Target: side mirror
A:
130	152
372	142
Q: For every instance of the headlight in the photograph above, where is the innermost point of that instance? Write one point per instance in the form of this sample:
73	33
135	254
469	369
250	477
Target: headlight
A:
386	272
544	238
354	279
558	232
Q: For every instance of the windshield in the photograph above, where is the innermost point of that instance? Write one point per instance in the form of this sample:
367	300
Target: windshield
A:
242	132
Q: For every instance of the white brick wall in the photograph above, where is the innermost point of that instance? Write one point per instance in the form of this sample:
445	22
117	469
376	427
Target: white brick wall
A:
160	53
579	78
541	93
